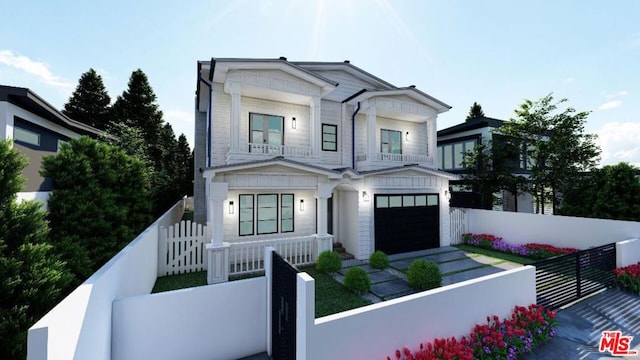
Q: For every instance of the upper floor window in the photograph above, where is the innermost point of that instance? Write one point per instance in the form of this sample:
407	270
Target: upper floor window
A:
329	137
451	156
26	136
390	142
265	130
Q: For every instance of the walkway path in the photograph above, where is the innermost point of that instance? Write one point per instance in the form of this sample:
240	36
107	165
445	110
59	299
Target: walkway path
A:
581	325
455	265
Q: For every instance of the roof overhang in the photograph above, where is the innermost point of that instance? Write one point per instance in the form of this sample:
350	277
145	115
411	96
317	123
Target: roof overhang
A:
348	68
411	92
421	169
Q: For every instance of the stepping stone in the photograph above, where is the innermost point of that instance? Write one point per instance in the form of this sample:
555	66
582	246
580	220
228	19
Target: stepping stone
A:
370	297
404	293
381	276
419	253
467	275
402	264
368	269
486	259
390	287
507	265
438	258
458	265
352	262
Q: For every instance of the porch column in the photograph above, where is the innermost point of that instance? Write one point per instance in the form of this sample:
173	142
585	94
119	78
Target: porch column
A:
323	239
371	133
315	128
432	138
217	249
234	141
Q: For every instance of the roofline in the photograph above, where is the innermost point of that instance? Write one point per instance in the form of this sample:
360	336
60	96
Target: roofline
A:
465	126
365	94
348	65
431	171
214	61
27	93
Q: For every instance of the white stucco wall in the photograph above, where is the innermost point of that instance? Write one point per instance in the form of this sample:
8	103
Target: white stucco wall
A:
376	331
562	231
222	321
627	252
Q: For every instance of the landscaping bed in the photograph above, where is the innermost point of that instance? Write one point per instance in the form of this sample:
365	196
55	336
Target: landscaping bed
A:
331	296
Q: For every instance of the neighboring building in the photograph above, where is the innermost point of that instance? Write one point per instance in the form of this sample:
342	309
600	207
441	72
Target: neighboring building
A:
289	149
37	129
455	141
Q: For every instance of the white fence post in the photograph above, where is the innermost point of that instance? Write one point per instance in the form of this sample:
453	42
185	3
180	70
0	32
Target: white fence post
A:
459	225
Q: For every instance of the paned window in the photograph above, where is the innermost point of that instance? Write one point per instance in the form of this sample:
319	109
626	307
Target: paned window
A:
329	137
26	136
246	215
286	213
390	142
267	214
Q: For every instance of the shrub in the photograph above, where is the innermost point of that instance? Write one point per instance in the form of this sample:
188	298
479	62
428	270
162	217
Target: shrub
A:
357	280
424	275
328	262
379	260
628	277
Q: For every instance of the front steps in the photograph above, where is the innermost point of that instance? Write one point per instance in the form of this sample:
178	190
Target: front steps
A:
344	255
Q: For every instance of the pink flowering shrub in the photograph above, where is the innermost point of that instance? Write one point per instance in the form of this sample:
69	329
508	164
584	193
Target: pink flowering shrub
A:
628	277
535	251
526	328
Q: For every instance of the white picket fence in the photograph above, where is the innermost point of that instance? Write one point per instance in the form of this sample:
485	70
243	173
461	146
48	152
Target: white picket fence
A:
182	248
459	225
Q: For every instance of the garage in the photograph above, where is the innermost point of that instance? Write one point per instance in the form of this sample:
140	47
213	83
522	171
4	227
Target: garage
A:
406	222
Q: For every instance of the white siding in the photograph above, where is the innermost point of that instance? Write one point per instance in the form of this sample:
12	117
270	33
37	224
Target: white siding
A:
418	134
365	213
220	127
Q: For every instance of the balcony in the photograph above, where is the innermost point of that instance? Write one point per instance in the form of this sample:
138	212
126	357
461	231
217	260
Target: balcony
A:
257	151
387	159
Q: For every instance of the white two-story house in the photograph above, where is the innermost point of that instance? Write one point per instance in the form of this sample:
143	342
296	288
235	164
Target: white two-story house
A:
317	149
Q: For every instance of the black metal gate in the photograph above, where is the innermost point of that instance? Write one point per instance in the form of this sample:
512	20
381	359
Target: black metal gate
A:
283	309
567	278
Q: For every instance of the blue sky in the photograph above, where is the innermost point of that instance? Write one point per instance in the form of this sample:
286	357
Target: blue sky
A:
497	53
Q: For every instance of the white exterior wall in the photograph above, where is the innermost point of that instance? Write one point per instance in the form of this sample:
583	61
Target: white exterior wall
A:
220	124
300	136
627	252
562	231
222	321
79	327
6	121
348	84
332	114
418	140
12	110
410	320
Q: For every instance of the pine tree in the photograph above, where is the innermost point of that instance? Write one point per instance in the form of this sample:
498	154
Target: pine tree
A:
185	165
137	108
475	111
89	103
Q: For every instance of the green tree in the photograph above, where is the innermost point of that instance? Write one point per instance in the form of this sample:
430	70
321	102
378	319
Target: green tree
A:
489	169
475	111
186	166
32	278
99	202
137	108
89	103
553	144
612	192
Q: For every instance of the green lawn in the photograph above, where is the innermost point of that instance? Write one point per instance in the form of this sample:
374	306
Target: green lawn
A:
331	296
182	281
496	254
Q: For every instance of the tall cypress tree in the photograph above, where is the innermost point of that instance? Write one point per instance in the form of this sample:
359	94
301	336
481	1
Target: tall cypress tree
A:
89	103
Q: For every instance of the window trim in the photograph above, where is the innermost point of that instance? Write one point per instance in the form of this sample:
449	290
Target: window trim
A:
452	152
251	114
257	210
293	212
335	142
253	209
381	144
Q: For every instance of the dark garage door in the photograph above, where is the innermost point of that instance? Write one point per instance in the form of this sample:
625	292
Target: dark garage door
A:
406	222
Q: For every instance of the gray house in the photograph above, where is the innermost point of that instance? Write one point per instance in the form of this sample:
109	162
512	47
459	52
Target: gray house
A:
37	129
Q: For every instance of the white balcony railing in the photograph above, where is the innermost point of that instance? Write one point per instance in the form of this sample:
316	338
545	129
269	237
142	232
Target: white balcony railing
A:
255	148
404	158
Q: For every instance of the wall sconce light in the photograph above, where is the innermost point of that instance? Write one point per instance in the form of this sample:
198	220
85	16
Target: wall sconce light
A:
293	122
365	196
406	136
231	207
301	205
447	195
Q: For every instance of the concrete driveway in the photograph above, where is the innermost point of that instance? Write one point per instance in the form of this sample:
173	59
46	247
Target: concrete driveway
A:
581	326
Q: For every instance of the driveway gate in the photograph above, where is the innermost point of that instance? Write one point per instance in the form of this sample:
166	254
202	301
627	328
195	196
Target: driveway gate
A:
567	278
283	309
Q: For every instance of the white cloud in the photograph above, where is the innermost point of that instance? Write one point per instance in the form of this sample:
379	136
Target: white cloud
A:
619	142
623	93
610	105
36	68
569	80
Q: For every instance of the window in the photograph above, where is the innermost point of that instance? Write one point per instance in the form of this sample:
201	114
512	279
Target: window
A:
286	213
452	156
394	201
267	214
246	215
26	136
329	137
266	130
390	142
